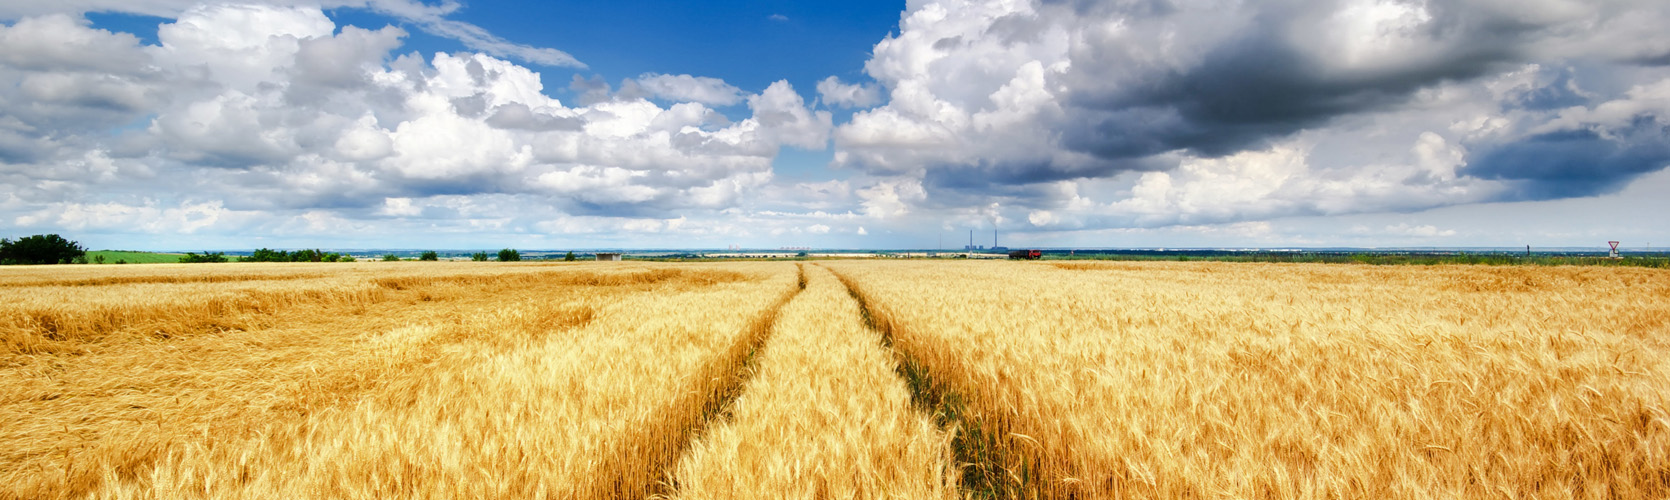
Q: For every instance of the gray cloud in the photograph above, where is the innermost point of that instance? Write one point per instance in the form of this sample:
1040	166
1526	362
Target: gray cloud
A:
62	43
1558	91
64	76
517	116
986	98
591	90
1574	163
835	93
344	60
1285	71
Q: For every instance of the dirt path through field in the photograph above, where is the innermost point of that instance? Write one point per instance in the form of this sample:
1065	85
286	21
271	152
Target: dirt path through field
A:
824	416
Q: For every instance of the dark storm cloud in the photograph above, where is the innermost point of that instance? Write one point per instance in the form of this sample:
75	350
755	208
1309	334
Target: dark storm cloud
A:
1577	162
1264	84
1653	60
959	189
19	149
1016	178
583	207
1203	111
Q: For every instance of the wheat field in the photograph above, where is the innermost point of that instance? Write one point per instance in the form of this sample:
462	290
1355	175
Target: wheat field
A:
833	379
1220	380
824	415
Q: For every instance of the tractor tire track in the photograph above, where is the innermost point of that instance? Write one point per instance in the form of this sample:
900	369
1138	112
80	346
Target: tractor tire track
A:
996	460
822	416
641	467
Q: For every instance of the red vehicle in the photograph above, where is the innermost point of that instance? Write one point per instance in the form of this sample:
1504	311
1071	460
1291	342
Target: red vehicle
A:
1026	254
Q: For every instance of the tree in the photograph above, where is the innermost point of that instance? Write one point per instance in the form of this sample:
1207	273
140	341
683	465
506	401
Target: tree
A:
266	255
40	249
389	257
429	255
479	256
569	257
307	256
207	257
509	255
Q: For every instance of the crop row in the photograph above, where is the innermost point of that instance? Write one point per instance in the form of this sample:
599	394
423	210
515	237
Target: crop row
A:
1283	381
824	415
532	385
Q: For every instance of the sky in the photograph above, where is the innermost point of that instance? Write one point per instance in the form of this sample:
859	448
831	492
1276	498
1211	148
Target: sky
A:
193	125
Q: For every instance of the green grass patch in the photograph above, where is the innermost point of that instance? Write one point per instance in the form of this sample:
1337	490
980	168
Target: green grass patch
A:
111	256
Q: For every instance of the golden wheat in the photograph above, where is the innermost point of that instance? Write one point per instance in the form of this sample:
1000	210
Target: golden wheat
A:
1297	381
823	416
473	368
631	380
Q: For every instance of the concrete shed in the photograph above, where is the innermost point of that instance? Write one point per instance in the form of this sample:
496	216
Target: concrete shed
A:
608	256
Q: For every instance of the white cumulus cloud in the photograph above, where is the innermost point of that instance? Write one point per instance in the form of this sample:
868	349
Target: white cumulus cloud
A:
274	110
686	88
834	92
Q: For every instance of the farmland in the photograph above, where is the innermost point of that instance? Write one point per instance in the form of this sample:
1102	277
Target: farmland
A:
834	379
114	256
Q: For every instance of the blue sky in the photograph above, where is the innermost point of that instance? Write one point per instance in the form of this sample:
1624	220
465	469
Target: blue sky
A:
182	124
751	43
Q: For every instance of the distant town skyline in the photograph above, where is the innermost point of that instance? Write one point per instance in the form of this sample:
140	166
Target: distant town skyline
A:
189	125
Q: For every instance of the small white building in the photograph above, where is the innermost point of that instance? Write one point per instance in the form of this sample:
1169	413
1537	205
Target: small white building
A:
609	256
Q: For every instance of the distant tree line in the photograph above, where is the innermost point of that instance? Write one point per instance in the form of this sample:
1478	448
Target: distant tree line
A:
506	255
54	249
41	249
306	255
205	258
